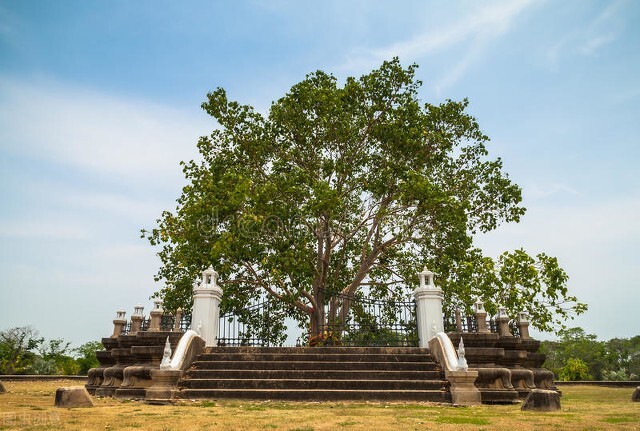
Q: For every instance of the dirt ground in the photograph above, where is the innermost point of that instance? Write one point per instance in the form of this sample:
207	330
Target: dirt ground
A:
29	405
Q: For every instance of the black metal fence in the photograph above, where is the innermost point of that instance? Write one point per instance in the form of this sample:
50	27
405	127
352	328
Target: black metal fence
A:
236	329
459	322
167	324
185	322
371	322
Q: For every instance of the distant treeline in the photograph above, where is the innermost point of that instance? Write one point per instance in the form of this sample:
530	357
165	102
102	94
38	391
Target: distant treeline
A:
23	351
577	355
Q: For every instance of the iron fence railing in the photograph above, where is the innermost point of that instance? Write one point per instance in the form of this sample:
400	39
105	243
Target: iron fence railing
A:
236	330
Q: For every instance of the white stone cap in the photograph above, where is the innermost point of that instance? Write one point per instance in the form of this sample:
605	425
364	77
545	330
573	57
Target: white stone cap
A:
138	310
120	314
426	278
209	278
479	306
523	317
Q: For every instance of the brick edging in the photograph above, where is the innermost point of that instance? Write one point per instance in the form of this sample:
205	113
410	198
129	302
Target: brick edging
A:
613	384
36	377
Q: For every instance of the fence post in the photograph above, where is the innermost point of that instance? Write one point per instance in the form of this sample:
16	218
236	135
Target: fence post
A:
156	316
428	299
119	323
523	325
503	322
206	307
176	323
481	317
136	319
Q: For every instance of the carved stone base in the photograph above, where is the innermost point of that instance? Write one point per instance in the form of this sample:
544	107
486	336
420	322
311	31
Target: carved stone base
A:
137	378
522	381
95	377
113	377
164	388
463	389
495	385
636	395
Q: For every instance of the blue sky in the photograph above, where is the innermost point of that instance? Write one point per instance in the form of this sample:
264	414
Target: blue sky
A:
100	100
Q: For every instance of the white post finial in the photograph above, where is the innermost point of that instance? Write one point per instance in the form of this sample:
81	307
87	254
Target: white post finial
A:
523	317
423	277
209	278
138	310
426	278
462	361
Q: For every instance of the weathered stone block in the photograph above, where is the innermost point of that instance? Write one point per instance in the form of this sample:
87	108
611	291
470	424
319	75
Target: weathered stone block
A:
73	396
636	395
463	390
164	388
542	400
2	388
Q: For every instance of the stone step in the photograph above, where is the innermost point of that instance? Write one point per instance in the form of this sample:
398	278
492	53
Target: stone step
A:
295	384
318	394
331	374
322	350
320	357
312	365
318	373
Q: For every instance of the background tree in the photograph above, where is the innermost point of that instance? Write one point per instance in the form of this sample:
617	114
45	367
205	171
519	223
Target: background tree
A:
345	188
616	359
574	369
623	358
86	356
17	346
23	351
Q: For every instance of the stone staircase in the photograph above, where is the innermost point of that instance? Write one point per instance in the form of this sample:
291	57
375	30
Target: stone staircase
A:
315	373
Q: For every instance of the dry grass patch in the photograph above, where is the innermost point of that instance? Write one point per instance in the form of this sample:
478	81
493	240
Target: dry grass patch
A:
29	405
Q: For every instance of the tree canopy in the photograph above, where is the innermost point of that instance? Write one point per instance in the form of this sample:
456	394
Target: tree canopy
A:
340	188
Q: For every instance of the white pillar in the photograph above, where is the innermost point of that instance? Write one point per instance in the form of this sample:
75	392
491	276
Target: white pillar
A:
428	308
206	307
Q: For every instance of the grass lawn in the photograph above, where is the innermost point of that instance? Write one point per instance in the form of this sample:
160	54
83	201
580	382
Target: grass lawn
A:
29	405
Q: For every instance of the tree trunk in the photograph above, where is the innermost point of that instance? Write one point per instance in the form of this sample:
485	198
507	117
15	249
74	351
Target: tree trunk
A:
317	317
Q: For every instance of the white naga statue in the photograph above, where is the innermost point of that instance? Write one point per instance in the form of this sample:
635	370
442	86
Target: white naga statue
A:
166	357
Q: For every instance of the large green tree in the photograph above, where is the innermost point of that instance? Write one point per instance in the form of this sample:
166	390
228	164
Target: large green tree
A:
348	187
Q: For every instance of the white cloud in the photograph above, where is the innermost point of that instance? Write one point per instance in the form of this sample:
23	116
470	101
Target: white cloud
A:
95	132
538	191
570	229
595	243
478	27
70	234
42	229
588	40
593	44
